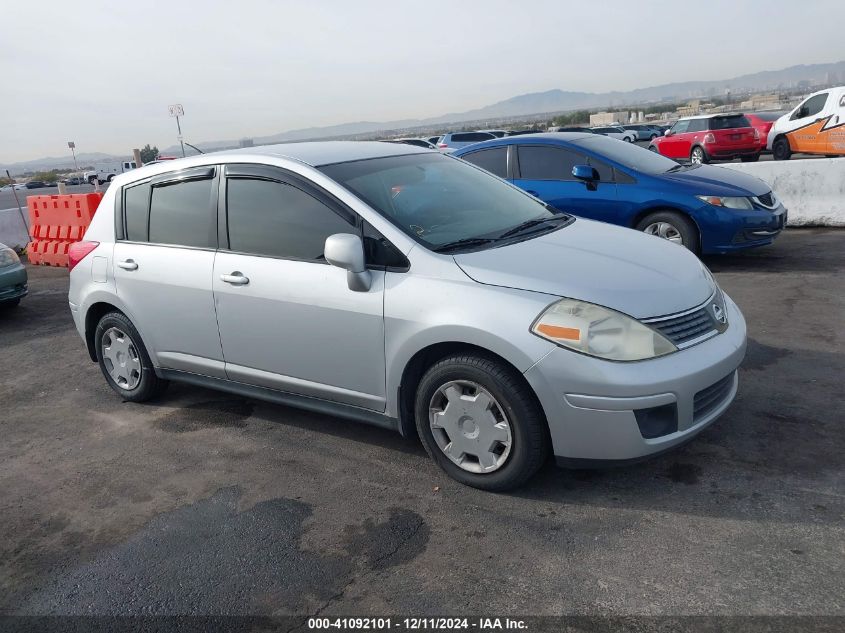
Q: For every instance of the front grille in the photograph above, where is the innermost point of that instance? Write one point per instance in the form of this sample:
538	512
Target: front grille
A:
709	399
687	327
768	200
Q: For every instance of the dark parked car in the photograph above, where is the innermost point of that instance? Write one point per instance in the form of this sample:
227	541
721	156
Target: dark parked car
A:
36	184
73	181
416	142
12	278
643	131
707	209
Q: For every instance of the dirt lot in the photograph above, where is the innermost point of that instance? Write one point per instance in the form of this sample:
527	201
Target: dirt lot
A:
205	504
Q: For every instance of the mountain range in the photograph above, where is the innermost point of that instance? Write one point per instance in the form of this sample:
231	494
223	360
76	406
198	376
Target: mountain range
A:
535	103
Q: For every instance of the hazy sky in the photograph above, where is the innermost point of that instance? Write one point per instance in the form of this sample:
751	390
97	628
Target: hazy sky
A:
104	78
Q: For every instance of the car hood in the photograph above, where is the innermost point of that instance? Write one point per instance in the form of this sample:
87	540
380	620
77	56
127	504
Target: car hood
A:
628	271
707	180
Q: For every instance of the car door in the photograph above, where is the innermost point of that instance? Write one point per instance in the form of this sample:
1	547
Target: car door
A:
806	123
287	319
163	260
673	145
836	133
545	171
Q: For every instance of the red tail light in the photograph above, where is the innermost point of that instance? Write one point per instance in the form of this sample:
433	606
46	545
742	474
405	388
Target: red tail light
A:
709	138
78	251
442	145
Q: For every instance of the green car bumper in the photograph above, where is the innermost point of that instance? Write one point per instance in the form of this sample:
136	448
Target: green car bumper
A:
12	282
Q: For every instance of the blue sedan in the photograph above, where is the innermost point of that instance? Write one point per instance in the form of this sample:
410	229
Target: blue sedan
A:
707	209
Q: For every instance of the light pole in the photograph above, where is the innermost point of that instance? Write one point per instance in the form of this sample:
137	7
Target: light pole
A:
72	147
177	110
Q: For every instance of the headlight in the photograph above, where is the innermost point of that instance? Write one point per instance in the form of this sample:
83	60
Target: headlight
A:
597	331
727	202
8	257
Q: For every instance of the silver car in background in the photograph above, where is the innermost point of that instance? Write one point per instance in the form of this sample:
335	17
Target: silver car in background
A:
405	288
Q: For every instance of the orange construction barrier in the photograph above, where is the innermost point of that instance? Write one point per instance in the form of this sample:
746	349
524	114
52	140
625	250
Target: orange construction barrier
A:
55	222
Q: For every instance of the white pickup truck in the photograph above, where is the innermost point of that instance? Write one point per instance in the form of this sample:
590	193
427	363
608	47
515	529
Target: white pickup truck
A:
106	173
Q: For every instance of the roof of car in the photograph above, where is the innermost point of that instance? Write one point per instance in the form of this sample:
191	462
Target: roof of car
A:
321	153
712	115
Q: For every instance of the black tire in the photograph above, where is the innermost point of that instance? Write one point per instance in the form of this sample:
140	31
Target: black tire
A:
110	178
653	148
150	385
91	180
684	226
781	149
11	303
700	151
652	137
750	159
529	430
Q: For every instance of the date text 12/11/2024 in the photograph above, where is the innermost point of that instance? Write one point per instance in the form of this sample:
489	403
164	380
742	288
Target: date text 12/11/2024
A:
416	624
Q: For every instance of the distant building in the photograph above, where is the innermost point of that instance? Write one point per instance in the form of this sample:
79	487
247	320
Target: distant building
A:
606	118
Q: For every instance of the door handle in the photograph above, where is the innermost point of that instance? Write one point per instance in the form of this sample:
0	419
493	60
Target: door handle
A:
128	264
236	279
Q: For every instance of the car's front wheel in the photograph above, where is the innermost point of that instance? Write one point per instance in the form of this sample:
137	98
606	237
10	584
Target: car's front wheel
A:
124	360
480	422
672	226
698	156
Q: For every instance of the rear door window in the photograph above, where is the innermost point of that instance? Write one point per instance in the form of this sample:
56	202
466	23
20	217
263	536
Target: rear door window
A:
184	213
136	212
494	160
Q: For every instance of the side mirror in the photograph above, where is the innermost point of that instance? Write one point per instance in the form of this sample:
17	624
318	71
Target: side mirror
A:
667	133
346	251
585	172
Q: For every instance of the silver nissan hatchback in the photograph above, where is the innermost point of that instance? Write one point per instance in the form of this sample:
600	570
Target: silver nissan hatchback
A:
401	287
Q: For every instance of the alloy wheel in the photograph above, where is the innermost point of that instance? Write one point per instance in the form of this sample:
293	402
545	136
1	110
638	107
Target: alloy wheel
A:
470	427
697	156
666	231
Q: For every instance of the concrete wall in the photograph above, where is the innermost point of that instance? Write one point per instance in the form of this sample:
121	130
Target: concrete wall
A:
812	189
12	231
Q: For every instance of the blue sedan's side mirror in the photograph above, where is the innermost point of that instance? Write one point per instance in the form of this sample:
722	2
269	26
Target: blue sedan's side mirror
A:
585	172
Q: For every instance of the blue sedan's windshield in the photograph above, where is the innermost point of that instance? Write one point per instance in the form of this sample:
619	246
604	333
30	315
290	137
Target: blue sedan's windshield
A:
440	201
627	154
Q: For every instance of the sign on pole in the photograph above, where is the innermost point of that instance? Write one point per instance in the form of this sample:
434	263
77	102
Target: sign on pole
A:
176	109
71	144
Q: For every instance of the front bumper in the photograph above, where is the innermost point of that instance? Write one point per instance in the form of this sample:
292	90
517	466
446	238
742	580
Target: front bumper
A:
590	403
730	230
13	282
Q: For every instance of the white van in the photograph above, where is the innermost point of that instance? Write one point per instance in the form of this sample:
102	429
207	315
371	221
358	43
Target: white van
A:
815	126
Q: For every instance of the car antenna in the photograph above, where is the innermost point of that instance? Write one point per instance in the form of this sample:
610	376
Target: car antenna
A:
194	147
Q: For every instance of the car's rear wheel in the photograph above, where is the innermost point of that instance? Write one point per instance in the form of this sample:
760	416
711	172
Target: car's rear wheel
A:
672	226
781	149
750	159
124	360
653	148
698	156
480	422
11	303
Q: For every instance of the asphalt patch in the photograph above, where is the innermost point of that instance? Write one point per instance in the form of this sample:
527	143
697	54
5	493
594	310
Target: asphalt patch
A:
205	415
209	558
759	356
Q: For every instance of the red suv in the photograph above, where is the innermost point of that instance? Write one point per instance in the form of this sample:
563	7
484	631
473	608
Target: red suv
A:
762	122
700	139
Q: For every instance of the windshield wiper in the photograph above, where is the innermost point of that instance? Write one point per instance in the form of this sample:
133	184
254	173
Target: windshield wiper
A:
519	228
464	243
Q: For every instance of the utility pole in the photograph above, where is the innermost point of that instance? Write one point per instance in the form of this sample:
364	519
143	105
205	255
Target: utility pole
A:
17	200
72	147
177	110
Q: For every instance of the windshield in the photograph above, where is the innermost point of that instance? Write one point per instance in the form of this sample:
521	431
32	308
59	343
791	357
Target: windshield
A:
627	154
439	200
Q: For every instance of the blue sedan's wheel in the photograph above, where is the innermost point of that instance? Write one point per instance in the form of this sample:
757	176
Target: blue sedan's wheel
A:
672	226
